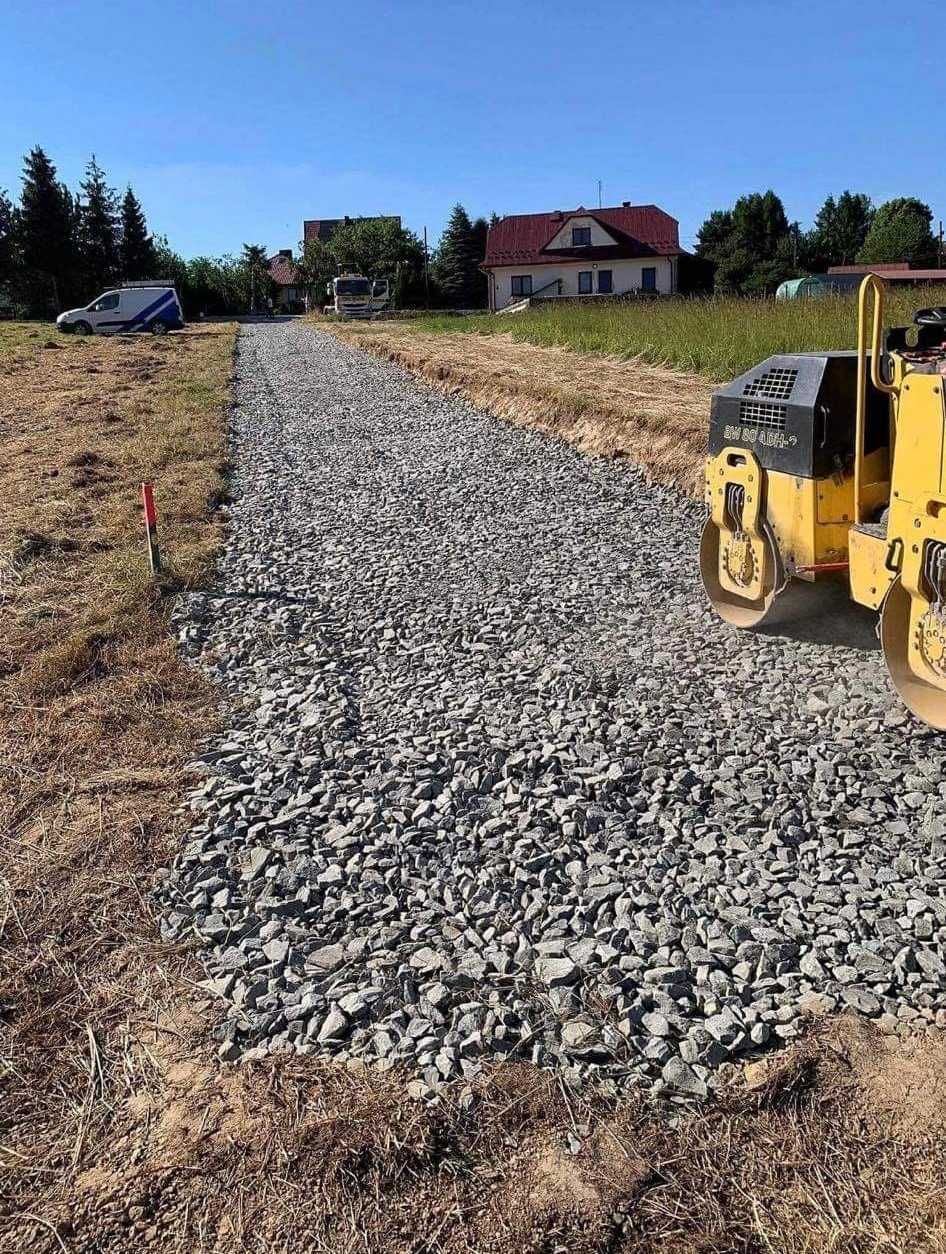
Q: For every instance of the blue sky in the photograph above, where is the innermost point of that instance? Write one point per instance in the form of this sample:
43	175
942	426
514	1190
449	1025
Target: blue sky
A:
234	121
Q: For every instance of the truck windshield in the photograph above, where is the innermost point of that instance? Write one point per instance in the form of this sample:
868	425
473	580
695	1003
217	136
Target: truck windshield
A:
352	287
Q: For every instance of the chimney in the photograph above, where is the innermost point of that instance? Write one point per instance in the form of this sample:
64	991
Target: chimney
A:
625	204
285	252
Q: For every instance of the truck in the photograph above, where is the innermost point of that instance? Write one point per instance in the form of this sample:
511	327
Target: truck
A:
354	296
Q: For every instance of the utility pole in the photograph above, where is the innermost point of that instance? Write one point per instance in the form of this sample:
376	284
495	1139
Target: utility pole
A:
599	193
939	246
426	273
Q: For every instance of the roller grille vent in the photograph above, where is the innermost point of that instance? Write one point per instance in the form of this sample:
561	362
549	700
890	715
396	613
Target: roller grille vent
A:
774	385
760	414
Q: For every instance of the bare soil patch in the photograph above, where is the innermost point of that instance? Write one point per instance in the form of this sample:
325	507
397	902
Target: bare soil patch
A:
120	1130
655	416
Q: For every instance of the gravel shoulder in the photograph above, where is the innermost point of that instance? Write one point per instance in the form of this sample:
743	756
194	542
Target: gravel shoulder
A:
495	784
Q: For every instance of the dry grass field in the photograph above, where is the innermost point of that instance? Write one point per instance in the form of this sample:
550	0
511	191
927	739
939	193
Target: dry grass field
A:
119	1129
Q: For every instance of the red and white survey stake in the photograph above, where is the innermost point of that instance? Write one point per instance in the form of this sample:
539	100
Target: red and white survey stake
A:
151	528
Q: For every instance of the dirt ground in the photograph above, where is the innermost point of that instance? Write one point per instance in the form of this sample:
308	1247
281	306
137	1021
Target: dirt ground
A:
119	1129
654	416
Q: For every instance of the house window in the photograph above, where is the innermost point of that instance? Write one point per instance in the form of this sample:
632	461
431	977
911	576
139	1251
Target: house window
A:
649	279
521	285
584	283
581	235
604	281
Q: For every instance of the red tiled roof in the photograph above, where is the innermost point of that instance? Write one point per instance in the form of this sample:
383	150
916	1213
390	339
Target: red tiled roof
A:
283	271
638	231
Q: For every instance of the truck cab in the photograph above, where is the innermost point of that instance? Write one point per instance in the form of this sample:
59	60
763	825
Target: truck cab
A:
354	296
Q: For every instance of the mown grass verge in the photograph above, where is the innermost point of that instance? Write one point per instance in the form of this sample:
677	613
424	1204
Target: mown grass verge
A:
97	712
714	336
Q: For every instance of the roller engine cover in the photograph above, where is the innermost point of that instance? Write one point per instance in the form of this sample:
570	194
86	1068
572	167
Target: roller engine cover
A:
796	412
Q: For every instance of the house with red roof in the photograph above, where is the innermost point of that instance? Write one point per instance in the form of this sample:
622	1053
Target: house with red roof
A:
587	253
291	294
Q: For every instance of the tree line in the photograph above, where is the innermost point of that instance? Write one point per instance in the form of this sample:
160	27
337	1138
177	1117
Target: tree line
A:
61	248
753	247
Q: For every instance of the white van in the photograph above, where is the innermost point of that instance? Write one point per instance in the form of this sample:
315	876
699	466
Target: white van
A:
135	307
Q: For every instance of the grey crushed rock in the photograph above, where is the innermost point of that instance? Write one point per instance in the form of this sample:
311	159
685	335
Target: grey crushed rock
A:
494	783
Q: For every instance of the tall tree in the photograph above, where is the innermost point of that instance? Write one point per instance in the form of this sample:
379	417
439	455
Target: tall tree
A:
900	231
316	266
750	245
480	231
456	265
839	231
8	233
98	230
257	273
47	231
136	249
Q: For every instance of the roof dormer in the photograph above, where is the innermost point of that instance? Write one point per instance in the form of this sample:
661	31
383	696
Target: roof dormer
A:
580	230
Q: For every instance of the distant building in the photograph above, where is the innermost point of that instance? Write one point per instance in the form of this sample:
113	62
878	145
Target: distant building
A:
324	228
625	250
291	294
892	272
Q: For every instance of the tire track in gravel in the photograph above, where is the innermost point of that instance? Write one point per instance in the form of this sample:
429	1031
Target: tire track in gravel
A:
494	780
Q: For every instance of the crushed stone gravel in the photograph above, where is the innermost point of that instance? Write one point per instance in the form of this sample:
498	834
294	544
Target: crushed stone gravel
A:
494	782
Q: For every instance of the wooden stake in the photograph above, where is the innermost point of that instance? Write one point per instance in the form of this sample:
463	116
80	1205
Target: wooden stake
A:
151	528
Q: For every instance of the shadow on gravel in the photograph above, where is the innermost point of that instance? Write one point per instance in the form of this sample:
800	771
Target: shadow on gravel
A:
822	614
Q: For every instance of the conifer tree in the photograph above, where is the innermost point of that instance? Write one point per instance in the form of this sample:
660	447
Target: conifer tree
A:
841	226
8	232
136	250
47	233
98	231
457	263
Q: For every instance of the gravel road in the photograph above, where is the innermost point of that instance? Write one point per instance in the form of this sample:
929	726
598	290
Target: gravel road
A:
494	782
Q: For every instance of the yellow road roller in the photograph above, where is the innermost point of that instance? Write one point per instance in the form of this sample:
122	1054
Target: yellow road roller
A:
836	462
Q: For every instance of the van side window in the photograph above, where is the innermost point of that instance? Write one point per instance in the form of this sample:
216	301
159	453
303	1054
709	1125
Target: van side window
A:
109	301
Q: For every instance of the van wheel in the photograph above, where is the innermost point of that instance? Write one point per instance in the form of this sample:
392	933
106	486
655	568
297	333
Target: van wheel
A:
158	327
82	328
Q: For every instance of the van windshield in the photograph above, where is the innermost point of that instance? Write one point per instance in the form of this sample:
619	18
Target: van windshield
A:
352	287
108	301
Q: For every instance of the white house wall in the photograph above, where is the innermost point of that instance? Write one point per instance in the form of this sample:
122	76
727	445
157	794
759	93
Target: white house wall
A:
626	277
